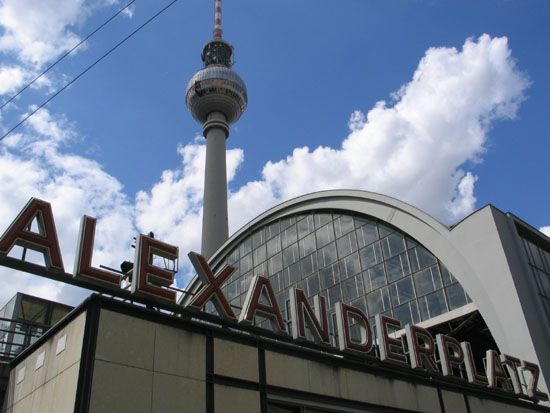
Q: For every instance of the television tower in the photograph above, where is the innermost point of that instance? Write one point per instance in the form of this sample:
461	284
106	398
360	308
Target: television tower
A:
216	97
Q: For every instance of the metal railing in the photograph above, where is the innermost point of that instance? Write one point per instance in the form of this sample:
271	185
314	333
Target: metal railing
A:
17	335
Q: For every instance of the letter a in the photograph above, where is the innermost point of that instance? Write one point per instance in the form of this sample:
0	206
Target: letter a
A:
44	241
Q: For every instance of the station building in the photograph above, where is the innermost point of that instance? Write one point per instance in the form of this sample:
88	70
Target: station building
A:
483	280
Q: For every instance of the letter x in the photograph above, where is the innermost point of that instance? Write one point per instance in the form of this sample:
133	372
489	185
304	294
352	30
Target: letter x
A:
211	286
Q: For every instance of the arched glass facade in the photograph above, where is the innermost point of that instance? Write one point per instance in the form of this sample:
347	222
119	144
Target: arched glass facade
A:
344	257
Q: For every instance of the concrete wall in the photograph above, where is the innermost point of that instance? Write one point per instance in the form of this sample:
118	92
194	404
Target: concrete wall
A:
46	380
145	366
141	366
145	362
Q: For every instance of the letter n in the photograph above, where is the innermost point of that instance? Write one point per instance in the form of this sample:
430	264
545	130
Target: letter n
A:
300	310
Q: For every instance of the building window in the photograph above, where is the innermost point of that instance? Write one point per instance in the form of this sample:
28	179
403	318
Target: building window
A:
351	258
538	257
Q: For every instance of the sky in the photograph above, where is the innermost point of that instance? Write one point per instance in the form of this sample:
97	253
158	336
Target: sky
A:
442	104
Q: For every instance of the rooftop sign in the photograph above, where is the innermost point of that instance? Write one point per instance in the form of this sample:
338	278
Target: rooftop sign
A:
151	284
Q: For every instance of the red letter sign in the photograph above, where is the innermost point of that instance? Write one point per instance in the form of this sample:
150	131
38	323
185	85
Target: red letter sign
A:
446	345
512	364
83	265
45	241
471	370
260	286
495	372
390	348
421	348
532	387
148	279
211	287
345	343
317	321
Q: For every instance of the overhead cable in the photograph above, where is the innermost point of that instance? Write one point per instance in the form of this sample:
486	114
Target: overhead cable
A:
111	50
76	46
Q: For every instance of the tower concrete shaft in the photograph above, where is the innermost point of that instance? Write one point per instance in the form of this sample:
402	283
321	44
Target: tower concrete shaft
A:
216	97
215	230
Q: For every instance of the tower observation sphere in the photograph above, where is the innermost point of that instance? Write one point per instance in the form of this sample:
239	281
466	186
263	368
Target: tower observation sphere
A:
216	97
216	87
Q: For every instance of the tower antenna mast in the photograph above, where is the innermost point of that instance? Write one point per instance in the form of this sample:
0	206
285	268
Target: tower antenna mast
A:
218	19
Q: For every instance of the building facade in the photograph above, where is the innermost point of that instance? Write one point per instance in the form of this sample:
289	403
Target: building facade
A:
480	280
384	256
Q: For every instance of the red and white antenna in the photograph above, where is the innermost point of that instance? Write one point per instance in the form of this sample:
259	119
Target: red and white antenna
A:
218	20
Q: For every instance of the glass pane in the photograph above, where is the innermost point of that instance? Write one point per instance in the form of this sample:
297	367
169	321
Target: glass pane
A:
289	236
246	246
350	266
305	226
287	222
32	310
327	255
343	224
258	238
322	218
446	275
402	291
308	265
272	230
432	305
392	245
58	313
352	288
313	285
275	282
403	314
397	267
275	263
367	234
233	257
329	276
294	273
456	296
377	276
384	230
535	253
427	280
334	295
290	255
307	245
436	303
360	303
324	235
346	245
370	255
378	301
420	258
245	264
274	246
260	254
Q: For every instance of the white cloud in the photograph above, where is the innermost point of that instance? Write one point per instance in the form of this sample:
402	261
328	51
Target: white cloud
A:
11	78
38	31
172	209
418	149
75	186
545	230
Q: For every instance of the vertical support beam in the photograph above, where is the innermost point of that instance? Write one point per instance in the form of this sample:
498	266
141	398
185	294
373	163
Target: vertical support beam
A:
87	356
209	377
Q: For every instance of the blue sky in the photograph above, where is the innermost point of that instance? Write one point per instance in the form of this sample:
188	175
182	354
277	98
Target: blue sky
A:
466	129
